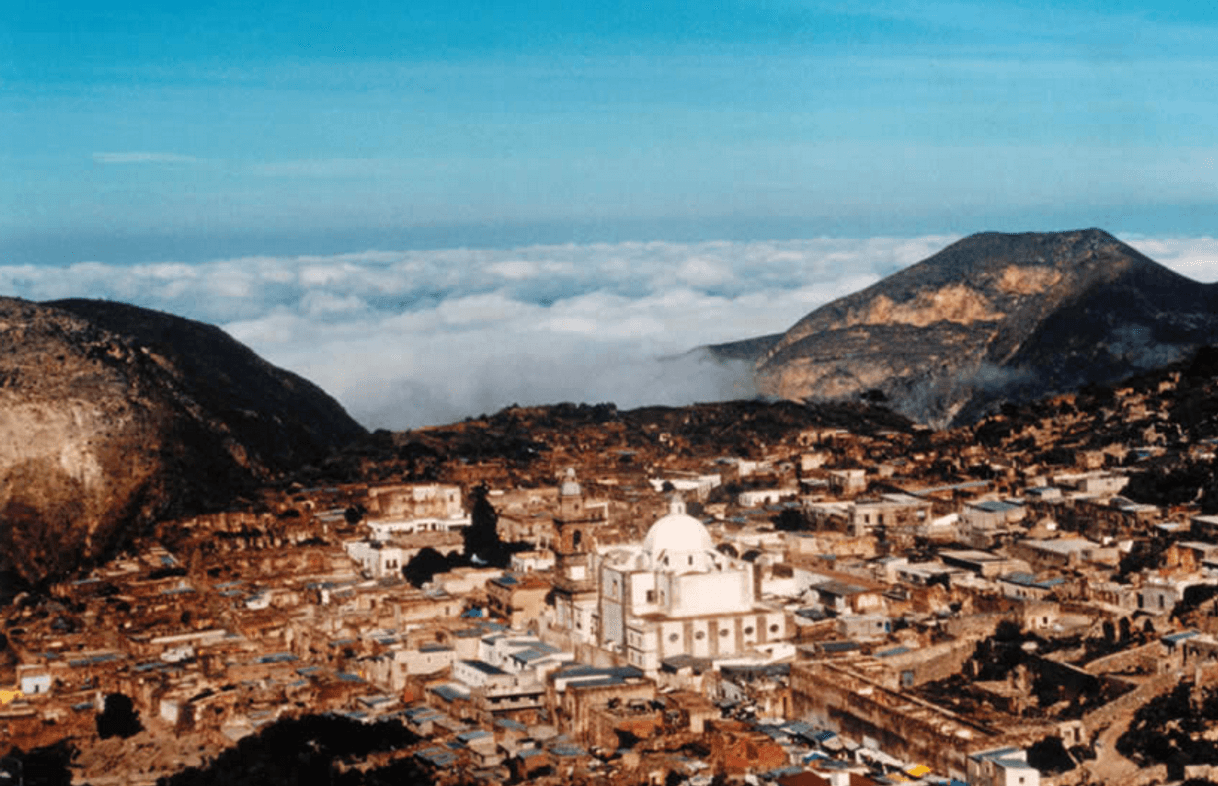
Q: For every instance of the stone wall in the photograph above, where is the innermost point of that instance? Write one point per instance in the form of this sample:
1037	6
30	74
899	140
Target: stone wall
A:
902	725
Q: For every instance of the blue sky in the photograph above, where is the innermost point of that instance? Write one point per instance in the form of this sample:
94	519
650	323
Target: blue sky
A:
134	132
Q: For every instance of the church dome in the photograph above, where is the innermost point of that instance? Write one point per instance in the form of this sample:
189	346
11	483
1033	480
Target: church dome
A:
570	486
677	533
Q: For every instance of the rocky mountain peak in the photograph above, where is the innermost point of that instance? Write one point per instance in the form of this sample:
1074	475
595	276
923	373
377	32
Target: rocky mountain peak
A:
990	317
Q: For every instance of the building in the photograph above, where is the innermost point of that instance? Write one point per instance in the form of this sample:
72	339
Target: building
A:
758	497
415	501
889	513
1002	767
519	599
845	482
378	560
574	593
676	594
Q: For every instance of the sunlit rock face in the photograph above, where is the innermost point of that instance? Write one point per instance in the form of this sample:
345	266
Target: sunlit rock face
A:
992	318
111	416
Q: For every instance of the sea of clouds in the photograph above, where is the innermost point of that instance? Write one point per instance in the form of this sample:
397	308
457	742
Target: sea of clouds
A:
411	338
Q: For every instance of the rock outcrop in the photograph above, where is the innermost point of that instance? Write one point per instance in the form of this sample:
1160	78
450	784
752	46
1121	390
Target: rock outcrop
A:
994	317
112	415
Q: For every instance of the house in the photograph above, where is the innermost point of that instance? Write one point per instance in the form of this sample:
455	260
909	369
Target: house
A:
992	514
758	497
1159	598
845	482
847	597
1002	767
890	511
378	560
517	598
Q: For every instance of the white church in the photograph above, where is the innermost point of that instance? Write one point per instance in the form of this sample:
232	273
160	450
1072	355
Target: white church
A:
673	594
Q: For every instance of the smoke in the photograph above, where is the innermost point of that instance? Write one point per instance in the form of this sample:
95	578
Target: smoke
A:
1137	346
936	399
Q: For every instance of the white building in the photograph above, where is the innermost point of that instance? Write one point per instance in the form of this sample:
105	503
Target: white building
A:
377	559
675	594
1002	767
699	485
758	497
383	530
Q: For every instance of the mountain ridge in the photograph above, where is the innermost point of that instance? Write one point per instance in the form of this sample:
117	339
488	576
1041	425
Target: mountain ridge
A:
991	317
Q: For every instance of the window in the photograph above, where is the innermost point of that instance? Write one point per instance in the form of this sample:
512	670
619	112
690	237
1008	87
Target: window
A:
748	631
651	596
773	629
723	633
673	637
700	635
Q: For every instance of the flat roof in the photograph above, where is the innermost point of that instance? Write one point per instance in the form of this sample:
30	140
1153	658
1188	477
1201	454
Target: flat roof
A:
483	666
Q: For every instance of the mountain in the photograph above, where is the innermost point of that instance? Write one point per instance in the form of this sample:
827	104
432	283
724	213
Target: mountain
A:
113	415
991	318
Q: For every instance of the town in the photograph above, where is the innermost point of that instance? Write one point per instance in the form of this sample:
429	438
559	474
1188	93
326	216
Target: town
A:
715	594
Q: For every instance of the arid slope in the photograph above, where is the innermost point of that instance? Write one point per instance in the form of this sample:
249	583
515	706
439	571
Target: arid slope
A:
991	318
112	415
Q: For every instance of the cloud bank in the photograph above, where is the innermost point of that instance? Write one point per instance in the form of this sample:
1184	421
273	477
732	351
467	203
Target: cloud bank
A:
412	338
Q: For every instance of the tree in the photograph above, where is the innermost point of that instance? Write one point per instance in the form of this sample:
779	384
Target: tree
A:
791	520
46	766
424	565
118	718
482	535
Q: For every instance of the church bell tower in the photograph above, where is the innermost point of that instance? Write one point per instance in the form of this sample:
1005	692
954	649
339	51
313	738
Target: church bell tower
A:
575	527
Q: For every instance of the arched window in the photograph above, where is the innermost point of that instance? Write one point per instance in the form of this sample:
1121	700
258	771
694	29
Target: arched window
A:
577	537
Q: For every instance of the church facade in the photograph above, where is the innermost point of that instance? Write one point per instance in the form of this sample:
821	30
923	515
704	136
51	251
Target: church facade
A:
673	594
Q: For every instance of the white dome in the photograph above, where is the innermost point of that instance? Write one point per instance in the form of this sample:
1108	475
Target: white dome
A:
570	486
677	533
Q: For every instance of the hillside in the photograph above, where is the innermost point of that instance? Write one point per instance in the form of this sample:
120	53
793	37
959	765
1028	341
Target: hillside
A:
993	318
112	416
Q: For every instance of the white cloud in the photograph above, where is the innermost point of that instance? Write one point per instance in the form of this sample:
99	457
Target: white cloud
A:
142	157
1195	257
408	338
